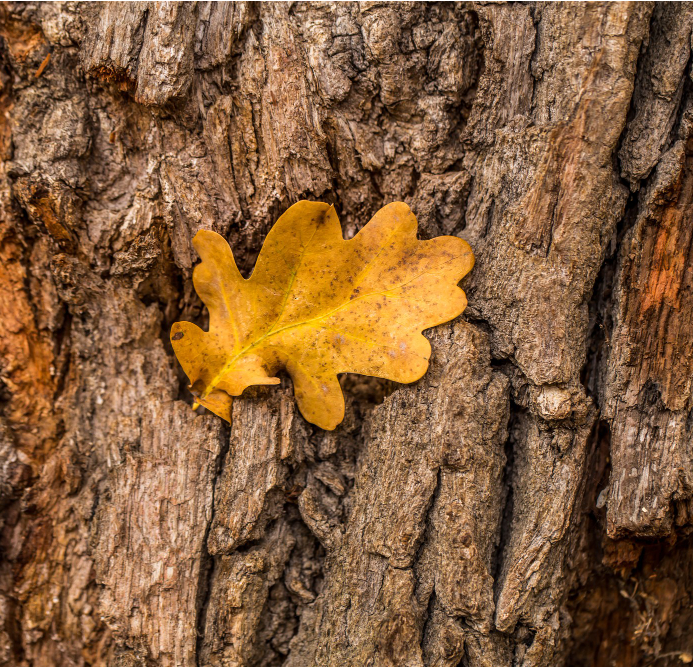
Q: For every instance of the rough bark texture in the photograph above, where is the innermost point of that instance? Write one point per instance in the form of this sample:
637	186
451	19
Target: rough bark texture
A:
528	502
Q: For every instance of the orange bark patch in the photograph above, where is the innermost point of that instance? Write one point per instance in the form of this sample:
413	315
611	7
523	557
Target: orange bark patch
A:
45	211
26	358
115	75
658	279
668	262
22	38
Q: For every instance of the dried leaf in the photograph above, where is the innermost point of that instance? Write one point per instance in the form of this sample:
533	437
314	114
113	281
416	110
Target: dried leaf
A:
317	305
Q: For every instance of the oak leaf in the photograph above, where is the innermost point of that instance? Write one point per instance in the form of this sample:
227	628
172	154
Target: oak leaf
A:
318	305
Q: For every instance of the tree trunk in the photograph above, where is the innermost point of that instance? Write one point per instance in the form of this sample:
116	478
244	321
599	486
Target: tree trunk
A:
528	502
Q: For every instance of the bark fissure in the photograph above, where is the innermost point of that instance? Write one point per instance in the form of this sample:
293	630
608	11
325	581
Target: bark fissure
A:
207	568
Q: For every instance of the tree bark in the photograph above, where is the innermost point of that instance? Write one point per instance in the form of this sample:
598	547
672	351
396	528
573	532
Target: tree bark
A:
528	502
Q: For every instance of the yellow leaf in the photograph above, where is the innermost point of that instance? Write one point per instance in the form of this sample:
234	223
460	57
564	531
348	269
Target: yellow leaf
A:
317	305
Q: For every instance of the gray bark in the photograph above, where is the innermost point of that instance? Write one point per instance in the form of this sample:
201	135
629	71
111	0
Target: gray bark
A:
528	502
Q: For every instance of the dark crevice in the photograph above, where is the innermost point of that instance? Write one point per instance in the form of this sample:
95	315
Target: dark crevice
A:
279	612
138	37
207	561
683	106
306	542
428	616
428	524
502	364
475	318
516	413
689	422
176	300
640	70
62	356
600	326
674	134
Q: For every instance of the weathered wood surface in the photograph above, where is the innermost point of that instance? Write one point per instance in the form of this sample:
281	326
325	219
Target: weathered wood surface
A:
528	502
